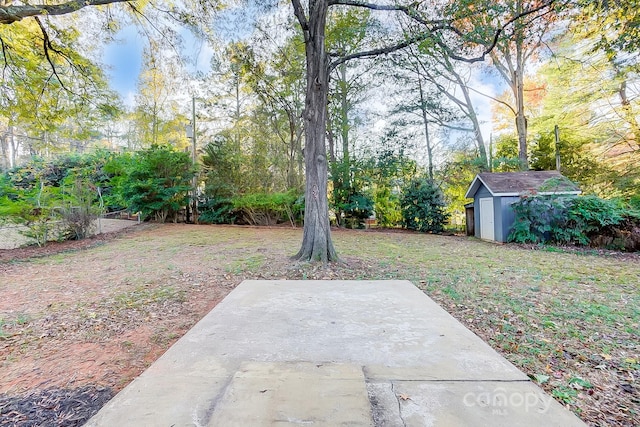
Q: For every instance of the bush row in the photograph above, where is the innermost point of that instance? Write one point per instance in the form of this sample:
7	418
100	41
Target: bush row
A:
253	209
157	182
577	220
421	207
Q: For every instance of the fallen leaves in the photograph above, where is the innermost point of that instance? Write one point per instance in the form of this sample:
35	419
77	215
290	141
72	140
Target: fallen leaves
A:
545	315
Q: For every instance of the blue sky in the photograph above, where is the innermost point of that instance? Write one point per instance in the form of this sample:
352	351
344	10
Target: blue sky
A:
124	58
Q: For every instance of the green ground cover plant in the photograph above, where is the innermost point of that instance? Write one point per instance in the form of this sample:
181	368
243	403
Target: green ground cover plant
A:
583	220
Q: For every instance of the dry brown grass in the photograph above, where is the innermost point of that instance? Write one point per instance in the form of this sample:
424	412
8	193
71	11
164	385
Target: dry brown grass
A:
100	315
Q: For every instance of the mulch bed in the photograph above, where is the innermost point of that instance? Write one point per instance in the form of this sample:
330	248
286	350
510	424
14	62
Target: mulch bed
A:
53	407
57	407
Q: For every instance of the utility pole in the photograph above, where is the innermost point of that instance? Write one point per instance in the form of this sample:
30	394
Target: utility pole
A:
556	131
194	200
491	152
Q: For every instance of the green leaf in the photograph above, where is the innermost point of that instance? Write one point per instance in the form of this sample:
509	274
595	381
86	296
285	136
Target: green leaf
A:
541	378
580	383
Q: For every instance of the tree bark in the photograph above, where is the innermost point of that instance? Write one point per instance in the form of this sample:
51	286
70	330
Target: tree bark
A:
521	119
13	13
467	108
512	71
14	147
4	147
425	122
316	241
470	112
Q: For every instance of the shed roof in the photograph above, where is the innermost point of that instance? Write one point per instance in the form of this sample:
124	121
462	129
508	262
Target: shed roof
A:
517	183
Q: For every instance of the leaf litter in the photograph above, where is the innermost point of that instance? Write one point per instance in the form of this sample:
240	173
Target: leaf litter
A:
86	317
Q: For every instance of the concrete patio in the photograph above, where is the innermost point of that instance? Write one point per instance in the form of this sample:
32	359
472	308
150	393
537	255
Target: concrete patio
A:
331	353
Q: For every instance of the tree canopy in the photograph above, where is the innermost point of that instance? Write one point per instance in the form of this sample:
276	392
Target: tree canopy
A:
316	97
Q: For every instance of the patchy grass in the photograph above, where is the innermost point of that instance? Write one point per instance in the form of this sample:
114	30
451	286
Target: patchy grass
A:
571	320
558	316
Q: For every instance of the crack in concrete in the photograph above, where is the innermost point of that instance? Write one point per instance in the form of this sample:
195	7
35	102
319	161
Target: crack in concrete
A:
393	390
214	402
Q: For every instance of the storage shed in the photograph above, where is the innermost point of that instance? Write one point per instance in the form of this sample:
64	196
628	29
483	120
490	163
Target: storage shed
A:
494	193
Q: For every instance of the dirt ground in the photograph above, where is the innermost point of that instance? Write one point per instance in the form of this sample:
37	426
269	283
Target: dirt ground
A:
80	319
12	238
105	337
96	313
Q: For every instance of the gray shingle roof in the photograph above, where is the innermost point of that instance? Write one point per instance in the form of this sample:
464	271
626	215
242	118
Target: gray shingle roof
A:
517	183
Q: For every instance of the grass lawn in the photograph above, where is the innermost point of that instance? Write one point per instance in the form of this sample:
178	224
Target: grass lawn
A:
570	320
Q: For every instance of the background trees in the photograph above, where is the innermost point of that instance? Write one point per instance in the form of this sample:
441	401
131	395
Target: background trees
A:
349	101
52	92
423	206
155	182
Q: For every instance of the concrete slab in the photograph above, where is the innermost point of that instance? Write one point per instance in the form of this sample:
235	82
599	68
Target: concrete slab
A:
272	394
479	403
331	353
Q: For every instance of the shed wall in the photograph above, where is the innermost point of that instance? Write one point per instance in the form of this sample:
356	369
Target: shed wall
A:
469	215
480	194
504	224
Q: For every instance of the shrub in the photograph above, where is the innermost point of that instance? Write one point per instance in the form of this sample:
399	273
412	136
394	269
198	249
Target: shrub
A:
80	208
52	173
156	182
253	209
582	220
387	207
266	208
423	206
10	203
349	196
216	210
539	219
356	209
36	210
56	199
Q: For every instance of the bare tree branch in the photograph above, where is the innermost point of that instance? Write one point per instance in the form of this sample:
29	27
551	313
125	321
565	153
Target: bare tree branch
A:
488	49
298	10
381	51
46	45
4	58
13	13
432	28
410	11
493	99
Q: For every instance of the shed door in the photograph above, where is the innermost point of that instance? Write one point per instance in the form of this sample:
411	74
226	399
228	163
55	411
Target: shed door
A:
486	219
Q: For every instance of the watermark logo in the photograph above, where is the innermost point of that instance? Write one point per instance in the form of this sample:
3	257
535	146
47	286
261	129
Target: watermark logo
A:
500	400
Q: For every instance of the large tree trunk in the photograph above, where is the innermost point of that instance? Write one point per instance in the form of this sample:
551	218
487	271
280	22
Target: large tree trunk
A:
425	122
521	127
470	112
4	147
316	241
521	119
512	71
